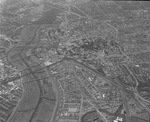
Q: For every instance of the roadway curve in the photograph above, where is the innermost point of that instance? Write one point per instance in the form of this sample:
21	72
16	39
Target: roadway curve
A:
92	115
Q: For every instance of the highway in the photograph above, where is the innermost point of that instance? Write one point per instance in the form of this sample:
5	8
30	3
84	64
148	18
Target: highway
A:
125	92
93	112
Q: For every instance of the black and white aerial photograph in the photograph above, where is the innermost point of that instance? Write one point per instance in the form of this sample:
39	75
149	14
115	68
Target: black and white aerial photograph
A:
74	61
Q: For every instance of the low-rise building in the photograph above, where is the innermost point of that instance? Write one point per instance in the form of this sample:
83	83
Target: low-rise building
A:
69	115
67	120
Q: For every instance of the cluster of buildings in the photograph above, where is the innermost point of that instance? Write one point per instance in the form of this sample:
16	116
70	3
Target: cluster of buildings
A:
71	98
8	102
75	88
10	90
70	112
